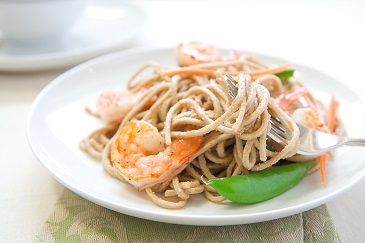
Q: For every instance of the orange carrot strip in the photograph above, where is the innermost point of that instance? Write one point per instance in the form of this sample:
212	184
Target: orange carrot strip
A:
209	72
331	115
322	164
330	123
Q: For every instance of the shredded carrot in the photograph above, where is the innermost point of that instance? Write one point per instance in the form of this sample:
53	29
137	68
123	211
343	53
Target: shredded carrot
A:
210	72
330	123
331	115
322	165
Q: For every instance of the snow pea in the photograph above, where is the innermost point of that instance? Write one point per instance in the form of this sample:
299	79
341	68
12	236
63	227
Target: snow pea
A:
261	186
284	75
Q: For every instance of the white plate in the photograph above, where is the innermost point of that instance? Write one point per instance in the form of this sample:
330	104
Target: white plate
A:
57	122
108	25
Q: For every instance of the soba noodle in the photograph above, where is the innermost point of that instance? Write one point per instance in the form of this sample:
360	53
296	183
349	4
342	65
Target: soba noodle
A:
235	130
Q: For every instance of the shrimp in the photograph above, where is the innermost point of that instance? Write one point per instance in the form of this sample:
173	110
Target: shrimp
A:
112	106
140	156
304	114
309	118
285	100
191	53
295	98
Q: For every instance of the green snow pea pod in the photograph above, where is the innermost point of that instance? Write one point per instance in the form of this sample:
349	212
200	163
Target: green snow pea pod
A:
284	75
261	186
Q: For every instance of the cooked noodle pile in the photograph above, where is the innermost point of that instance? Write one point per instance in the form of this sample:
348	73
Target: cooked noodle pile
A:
235	130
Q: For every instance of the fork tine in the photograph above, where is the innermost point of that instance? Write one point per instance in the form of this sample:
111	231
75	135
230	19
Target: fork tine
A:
231	86
276	124
277	139
277	132
230	81
312	142
277	136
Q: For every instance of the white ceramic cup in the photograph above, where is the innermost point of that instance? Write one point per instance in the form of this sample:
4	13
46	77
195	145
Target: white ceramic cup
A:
29	21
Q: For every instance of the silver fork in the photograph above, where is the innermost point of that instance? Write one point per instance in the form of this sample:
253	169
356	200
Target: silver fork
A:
311	142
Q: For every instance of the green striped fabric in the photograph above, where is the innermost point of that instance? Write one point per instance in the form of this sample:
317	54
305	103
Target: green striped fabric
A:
75	219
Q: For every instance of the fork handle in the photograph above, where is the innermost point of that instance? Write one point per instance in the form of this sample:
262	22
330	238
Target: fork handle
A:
354	142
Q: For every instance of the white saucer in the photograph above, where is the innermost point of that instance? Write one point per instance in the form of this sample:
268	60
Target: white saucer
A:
108	25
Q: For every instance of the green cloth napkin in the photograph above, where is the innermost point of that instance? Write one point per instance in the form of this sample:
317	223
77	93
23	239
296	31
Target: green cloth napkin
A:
75	219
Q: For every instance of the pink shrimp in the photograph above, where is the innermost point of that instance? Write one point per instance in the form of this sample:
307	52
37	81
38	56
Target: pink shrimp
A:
190	53
309	118
285	100
305	114
113	106
294	99
140	155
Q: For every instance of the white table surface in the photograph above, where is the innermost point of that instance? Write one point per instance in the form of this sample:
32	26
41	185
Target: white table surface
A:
326	35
